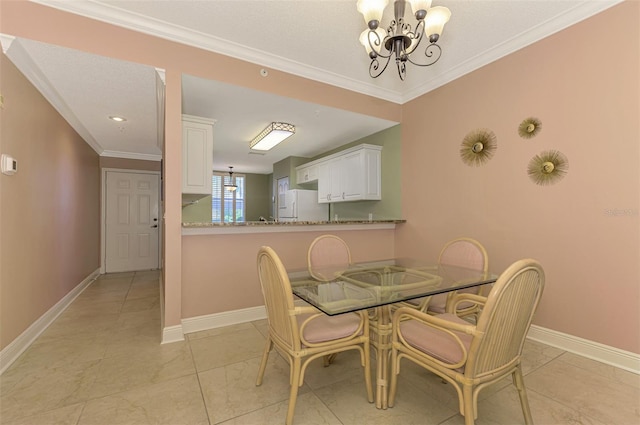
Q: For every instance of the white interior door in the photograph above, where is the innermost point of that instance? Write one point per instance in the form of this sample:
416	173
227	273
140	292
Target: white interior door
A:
281	204
131	221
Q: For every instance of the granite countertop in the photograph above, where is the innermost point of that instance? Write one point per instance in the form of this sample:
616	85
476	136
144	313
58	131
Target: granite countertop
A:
287	223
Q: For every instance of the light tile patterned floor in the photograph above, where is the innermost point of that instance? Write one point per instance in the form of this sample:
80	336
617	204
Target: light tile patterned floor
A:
101	363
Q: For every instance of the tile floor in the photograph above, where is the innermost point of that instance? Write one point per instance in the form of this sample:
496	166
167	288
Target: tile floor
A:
101	362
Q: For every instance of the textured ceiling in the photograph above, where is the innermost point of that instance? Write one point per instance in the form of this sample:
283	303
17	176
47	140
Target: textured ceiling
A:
314	39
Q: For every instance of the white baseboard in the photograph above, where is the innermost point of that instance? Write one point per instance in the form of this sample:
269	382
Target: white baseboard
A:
590	349
212	321
603	353
12	351
172	334
218	320
593	350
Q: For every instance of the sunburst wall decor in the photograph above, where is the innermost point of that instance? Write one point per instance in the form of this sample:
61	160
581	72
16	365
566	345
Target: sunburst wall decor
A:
548	167
478	147
529	128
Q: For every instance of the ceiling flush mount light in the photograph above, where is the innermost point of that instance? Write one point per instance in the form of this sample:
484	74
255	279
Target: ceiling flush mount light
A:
275	133
231	185
401	40
117	118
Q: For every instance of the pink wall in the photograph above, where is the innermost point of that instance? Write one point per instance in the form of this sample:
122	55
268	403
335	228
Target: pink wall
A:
583	87
221	269
585	90
50	210
41	23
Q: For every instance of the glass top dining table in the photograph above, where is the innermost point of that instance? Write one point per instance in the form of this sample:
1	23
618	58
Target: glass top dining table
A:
378	285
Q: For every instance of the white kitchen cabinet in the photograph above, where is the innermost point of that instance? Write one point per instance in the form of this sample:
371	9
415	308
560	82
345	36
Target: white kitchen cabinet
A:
197	155
307	174
330	181
350	175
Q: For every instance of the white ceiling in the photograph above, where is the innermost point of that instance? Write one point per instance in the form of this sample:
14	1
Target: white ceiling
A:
317	39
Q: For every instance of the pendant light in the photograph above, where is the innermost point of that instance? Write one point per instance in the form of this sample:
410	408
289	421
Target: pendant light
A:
231	185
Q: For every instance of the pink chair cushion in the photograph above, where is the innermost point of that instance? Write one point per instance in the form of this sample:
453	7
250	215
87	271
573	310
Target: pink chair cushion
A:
438	303
435	342
463	254
329	257
329	328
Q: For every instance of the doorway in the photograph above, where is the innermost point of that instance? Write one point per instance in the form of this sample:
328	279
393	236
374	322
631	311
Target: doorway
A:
131	225
283	187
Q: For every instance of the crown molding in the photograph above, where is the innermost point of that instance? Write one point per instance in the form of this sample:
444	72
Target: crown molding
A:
132	155
545	29
160	99
151	26
30	69
6	41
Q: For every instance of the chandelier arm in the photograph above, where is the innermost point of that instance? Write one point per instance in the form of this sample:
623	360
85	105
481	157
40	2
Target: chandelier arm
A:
377	44
402	69
374	66
416	35
432	51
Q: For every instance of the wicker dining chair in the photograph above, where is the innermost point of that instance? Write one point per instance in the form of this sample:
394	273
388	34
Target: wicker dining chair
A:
328	256
303	334
461	252
468	356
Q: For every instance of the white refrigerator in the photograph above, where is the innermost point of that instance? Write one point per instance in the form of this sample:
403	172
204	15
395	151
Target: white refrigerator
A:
302	205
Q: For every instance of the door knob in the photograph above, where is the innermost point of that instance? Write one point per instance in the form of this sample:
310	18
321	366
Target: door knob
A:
154	226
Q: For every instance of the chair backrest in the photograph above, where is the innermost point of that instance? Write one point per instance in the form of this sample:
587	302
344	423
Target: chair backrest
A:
506	318
327	257
465	252
278	297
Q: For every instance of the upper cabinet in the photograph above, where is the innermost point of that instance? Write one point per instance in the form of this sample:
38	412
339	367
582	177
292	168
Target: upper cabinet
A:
307	173
197	155
330	181
351	175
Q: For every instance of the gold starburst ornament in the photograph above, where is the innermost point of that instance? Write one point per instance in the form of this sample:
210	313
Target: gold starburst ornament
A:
529	127
548	167
478	147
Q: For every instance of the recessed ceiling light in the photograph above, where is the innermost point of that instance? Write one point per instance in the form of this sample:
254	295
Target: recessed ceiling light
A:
117	118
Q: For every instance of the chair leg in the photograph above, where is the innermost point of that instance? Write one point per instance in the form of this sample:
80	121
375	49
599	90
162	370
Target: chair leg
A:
293	393
328	359
263	363
393	385
469	413
522	392
367	372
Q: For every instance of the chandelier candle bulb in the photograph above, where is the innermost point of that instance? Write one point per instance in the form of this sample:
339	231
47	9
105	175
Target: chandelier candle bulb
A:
420	8
371	10
434	24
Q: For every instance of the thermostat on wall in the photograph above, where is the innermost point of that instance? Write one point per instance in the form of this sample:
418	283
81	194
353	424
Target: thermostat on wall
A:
9	165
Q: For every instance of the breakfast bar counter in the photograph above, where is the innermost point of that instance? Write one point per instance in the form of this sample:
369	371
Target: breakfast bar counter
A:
288	226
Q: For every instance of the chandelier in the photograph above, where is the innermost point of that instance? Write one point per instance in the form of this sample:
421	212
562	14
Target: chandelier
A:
401	40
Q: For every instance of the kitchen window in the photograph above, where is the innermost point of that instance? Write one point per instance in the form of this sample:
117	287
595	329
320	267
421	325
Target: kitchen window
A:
227	206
